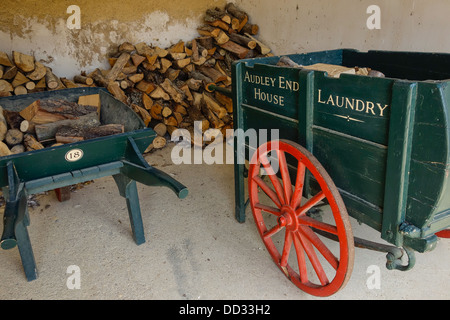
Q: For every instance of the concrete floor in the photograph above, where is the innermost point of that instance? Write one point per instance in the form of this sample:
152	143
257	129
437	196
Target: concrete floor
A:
195	249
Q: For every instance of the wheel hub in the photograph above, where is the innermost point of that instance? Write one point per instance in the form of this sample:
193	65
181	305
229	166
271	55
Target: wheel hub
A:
288	218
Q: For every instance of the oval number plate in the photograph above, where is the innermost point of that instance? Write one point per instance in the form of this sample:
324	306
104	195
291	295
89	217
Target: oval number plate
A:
74	155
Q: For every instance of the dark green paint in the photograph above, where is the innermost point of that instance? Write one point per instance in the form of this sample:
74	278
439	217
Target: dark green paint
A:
119	156
386	148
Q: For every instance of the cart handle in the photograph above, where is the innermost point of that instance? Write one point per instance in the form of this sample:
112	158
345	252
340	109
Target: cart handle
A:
211	87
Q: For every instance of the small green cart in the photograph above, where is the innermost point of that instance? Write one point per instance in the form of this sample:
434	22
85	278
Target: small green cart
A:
119	156
374	148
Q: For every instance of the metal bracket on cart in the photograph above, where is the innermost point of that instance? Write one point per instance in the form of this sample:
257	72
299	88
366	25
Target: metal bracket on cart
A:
394	255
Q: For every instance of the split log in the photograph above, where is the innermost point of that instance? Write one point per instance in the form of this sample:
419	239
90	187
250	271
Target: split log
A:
172	74
159	93
214	121
175	93
147	101
135	78
194	84
166	111
5	86
117	92
18	148
170	121
66	82
38	73
20	90
243	40
23	61
160	129
84	80
19	79
165	64
99	78
31	143
4	60
91	100
25	126
51	80
220	36
159	142
235	48
212	73
3	125
118	66
13	137
45	111
261	47
12	118
47	131
4	150
214	106
126	47
155	111
10	73
145	86
177	48
69	134
249	28
238	13
143	113
181	63
137	59
200	76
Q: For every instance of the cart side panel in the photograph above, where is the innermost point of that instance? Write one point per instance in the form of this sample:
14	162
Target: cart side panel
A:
429	186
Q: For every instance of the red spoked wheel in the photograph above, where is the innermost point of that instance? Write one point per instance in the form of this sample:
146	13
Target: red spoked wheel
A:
313	263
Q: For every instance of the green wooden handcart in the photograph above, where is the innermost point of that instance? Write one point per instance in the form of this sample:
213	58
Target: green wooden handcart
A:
118	155
377	149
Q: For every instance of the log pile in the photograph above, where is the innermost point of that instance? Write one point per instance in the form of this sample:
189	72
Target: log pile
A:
167	86
164	86
54	122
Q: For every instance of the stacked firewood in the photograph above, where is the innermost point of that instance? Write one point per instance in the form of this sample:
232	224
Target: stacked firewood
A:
52	122
23	74
168	86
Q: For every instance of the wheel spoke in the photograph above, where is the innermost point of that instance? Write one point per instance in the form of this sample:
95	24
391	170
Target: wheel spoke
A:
287	185
308	221
271	232
299	182
323	249
273	178
313	259
286	249
268	209
301	261
310	203
267	190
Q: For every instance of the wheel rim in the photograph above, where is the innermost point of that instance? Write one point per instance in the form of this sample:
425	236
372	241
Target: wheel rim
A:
309	261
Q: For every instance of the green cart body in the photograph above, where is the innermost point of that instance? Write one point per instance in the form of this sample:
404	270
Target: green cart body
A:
384	141
50	168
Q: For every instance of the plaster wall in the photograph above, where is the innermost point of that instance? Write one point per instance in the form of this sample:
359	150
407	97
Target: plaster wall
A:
287	26
296	26
40	28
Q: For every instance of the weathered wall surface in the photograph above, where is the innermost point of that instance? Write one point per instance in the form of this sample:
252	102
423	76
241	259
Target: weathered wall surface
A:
295	26
287	26
40	28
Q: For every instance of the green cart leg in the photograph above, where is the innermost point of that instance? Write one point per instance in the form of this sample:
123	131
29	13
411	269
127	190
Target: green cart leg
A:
26	251
128	190
239	192
15	222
